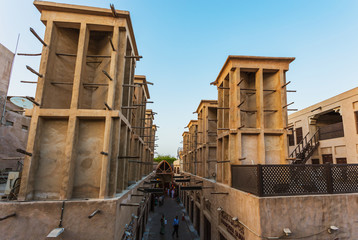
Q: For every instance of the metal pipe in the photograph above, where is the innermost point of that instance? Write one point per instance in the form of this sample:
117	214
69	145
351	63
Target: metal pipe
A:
8	216
62	210
94	213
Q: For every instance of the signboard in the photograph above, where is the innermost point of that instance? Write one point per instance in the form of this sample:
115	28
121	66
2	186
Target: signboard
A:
235	228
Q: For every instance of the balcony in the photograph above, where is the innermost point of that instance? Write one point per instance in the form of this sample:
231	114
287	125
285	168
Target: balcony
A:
287	180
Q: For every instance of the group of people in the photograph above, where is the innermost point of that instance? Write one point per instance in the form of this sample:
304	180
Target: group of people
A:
171	192
163	222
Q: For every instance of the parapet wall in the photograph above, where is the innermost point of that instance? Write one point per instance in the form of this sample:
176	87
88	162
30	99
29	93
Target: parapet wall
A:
36	219
259	217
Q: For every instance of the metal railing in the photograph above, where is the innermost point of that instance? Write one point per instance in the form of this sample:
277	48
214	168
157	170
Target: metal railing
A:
305	148
284	180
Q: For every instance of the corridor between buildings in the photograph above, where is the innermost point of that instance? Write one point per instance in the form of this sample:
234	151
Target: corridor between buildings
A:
170	209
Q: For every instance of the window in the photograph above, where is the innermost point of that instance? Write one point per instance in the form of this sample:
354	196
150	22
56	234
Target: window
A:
327	158
315	161
291	138
9	123
25	127
341	160
356	117
299	135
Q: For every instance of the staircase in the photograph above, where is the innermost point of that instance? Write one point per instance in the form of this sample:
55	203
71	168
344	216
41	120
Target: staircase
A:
305	149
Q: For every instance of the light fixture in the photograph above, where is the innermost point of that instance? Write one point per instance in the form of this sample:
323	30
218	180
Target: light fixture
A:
220	209
287	231
55	232
332	229
235	218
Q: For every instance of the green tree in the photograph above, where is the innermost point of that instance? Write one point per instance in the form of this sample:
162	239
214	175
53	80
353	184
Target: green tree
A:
167	158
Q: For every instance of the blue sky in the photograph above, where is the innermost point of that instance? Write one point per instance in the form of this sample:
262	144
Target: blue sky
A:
185	43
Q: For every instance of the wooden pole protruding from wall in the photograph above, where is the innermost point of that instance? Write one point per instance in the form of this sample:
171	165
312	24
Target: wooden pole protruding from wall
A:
38	37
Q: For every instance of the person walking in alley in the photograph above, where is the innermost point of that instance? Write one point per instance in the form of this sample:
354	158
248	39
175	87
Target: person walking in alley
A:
176	226
173	192
162	225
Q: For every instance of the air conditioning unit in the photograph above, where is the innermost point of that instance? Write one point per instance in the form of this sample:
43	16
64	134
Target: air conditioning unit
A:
11	181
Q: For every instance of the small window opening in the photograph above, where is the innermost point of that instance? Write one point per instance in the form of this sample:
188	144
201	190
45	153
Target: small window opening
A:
9	123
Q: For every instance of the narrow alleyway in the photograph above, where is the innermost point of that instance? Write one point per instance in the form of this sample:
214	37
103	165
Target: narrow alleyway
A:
170	209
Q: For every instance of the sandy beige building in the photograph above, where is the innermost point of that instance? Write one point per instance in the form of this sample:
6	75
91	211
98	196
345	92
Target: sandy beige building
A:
257	194
13	124
206	138
86	158
332	127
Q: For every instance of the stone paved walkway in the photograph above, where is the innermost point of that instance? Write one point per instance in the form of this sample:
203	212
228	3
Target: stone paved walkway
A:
170	209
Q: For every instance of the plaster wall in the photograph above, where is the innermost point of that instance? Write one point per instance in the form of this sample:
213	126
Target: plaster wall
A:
35	219
6	58
13	137
308	215
49	155
343	147
88	165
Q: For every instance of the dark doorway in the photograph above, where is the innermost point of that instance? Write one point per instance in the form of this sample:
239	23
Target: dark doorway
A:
207	229
327	158
197	222
187	203
192	210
